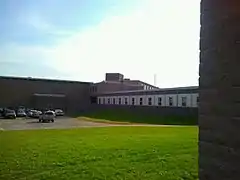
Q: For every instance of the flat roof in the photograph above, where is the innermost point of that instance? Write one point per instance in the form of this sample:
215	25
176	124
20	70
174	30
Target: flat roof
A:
128	83
42	79
154	91
49	95
116	82
151	90
139	81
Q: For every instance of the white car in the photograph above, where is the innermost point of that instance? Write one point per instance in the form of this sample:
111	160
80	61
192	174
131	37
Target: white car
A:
48	116
10	114
34	113
59	112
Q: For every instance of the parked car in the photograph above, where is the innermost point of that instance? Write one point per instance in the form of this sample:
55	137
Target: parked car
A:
59	112
48	116
1	111
10	114
5	110
34	113
29	112
21	113
22	108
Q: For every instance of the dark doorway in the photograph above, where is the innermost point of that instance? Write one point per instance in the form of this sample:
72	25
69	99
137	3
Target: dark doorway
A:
93	100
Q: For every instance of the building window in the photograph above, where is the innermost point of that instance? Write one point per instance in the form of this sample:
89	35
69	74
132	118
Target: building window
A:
126	101
184	101
170	101
197	100
141	101
159	101
113	100
133	101
103	100
119	101
99	101
108	100
150	101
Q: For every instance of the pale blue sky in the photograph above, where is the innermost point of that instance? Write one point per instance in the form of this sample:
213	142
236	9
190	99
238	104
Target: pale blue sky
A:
83	39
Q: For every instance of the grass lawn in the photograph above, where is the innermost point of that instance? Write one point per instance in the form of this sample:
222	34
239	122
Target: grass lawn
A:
121	115
100	153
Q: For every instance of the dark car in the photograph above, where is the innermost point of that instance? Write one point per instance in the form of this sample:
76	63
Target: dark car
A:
21	113
1	112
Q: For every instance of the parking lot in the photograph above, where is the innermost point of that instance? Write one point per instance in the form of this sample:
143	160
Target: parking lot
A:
60	123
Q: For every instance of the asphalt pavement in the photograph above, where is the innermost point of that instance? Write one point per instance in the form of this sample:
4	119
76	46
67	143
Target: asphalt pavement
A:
59	123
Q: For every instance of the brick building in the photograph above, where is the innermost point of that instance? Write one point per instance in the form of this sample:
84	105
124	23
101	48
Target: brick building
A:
71	96
117	82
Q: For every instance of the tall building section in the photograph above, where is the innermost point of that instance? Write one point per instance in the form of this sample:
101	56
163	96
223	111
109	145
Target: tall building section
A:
117	82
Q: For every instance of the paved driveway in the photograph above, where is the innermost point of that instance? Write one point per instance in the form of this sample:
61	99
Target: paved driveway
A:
60	123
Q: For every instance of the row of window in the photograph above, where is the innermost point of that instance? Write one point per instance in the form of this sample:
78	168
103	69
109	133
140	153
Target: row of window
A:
184	101
145	87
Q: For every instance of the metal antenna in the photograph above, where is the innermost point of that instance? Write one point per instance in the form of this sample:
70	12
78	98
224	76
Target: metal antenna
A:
155	79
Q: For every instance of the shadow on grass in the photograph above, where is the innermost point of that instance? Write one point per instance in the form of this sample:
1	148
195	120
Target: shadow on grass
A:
140	117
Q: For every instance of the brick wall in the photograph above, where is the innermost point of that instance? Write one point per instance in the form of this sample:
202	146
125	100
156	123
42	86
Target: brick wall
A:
114	77
106	86
219	107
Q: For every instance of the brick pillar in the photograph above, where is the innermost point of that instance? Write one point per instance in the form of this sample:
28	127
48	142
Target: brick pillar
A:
219	111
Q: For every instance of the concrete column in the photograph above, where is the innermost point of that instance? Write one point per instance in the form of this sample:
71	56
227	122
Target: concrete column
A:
219	111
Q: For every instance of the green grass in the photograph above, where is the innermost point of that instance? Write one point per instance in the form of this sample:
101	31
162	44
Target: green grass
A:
138	117
100	153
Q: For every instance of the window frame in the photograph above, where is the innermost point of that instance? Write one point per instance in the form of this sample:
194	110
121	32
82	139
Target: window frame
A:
119	101
133	101
141	101
125	101
114	101
159	101
184	101
149	101
170	101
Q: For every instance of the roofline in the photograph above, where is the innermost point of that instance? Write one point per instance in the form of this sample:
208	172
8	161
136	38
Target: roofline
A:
126	83
113	73
142	82
118	82
152	90
49	95
43	79
145	83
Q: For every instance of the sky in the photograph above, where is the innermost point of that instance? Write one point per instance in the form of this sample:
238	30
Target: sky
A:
83	39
